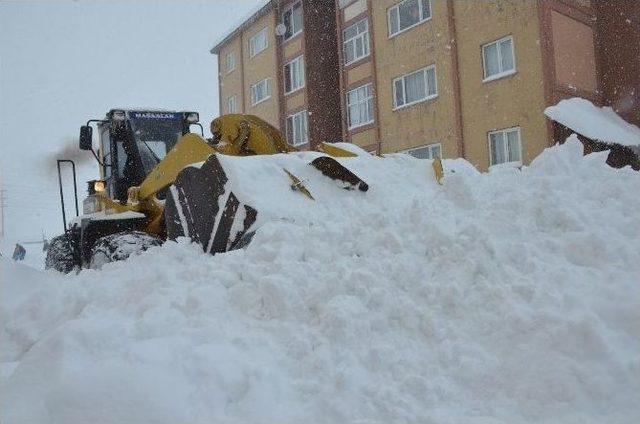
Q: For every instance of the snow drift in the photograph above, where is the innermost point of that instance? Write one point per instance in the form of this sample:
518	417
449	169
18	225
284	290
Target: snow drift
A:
597	123
495	298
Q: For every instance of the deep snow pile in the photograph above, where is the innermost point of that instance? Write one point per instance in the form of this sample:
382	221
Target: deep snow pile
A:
597	123
496	298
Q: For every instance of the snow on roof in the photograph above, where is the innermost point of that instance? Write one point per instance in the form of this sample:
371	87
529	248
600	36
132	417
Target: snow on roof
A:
596	123
256	12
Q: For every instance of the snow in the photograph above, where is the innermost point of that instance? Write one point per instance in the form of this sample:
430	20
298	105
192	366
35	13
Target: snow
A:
596	123
503	297
35	255
263	183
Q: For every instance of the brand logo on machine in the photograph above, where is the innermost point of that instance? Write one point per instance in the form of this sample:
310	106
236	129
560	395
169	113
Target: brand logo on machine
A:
155	115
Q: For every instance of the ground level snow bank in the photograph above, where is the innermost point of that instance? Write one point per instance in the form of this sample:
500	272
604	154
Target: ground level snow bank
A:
502	298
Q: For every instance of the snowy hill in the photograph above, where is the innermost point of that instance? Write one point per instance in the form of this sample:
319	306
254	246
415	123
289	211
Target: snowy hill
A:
505	297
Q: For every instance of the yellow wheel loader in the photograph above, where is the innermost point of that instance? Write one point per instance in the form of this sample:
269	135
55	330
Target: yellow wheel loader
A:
159	181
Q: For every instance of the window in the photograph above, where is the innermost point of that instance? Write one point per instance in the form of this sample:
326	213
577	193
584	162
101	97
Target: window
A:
260	91
360	106
431	151
415	87
498	59
230	61
297	130
505	147
232	105
292	20
407	14
258	43
294	75
356	41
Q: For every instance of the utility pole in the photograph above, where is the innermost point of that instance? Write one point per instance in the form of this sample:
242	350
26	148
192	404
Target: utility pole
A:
2	206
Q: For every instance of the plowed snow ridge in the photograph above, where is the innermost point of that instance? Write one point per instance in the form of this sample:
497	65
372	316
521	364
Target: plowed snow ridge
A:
504	297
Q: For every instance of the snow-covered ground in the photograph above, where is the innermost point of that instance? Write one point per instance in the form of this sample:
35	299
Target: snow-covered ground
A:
505	297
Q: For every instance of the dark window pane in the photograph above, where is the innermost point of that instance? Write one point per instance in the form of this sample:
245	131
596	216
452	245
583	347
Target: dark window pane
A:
409	13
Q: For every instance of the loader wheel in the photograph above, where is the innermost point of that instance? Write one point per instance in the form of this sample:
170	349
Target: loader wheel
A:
60	255
118	247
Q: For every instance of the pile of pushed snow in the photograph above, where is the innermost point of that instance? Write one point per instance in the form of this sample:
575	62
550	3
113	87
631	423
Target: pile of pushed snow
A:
596	123
496	298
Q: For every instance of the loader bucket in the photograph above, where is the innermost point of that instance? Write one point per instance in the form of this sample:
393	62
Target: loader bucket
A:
200	207
223	201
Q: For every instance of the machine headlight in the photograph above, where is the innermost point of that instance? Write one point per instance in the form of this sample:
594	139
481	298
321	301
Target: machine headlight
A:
99	186
192	117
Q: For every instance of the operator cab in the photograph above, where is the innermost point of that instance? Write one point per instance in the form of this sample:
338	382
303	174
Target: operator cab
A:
131	143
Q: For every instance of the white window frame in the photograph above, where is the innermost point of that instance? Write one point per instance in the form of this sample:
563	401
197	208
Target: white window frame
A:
232	100
504	132
305	135
361	103
254	101
288	75
228	68
397	7
365	41
404	87
290	7
252	48
429	147
502	73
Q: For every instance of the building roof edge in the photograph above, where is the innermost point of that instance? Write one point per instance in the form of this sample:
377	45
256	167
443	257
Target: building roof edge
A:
255	14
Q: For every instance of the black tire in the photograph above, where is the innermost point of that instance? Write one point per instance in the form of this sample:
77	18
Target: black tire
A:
118	247
60	255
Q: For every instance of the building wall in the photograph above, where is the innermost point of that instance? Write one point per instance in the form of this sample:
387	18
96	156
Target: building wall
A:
466	108
230	83
297	100
261	66
426	44
574	53
515	100
321	57
563	48
317	43
357	74
618	32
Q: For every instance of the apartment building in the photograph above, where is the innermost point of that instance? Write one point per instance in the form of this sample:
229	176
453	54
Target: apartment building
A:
466	78
448	78
281	64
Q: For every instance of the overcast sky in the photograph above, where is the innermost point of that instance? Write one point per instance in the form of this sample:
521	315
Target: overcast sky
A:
63	62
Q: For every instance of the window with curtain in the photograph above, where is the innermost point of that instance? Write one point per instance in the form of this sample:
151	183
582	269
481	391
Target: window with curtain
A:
294	75
230	62
498	58
292	20
258	43
430	151
260	91
505	146
360	106
232	106
297	129
356	41
407	14
415	87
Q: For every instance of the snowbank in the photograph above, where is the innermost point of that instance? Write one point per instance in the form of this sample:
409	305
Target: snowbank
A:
596	123
496	298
